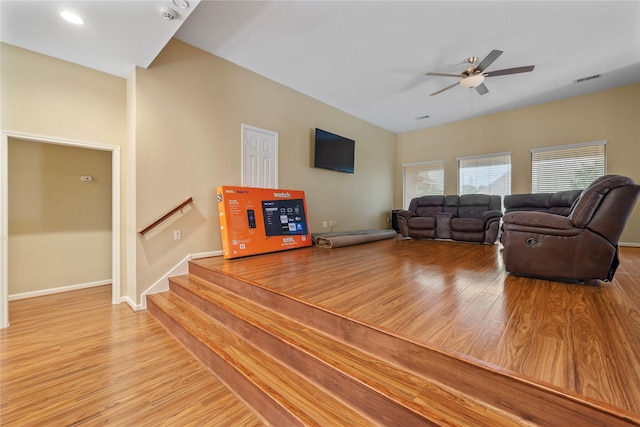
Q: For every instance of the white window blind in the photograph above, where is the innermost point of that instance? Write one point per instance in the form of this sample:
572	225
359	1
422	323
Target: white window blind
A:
567	167
487	174
422	179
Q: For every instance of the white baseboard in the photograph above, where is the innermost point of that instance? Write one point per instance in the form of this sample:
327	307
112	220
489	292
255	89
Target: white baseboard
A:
206	254
162	285
58	290
132	304
629	244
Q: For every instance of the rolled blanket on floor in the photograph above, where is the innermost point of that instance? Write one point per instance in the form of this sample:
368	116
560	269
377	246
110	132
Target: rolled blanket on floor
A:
348	238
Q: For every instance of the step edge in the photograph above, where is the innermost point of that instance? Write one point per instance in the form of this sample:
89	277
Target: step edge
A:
574	406
385	388
266	386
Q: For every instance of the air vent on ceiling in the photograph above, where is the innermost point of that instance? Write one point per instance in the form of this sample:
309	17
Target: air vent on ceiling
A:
584	79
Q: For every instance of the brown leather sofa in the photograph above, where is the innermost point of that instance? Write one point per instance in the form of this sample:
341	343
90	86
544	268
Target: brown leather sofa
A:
559	203
581	246
468	218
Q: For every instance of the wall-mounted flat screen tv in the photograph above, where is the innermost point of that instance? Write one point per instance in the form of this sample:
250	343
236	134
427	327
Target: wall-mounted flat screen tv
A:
333	152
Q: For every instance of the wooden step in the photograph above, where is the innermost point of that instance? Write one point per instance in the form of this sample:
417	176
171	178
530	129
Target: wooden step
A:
386	393
279	395
523	398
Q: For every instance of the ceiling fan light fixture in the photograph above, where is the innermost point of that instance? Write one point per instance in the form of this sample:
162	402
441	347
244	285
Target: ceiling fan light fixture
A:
472	81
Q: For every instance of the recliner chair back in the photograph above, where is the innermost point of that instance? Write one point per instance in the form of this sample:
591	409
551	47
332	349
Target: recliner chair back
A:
604	207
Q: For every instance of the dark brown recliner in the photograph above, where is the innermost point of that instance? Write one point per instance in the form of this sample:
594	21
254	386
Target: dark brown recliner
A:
582	246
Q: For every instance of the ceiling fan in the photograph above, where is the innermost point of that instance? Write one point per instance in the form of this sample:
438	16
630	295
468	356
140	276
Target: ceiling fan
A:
474	75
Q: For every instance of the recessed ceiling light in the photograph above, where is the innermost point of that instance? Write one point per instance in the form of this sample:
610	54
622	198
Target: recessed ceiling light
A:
72	17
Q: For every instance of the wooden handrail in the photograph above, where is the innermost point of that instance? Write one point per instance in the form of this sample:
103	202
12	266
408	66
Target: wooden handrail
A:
165	216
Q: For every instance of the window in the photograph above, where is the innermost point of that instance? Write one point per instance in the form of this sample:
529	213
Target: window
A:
567	167
487	174
422	179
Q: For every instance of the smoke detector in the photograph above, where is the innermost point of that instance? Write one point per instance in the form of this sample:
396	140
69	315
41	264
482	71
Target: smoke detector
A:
168	14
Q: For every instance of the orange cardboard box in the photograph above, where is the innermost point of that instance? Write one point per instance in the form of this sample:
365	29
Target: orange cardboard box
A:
260	220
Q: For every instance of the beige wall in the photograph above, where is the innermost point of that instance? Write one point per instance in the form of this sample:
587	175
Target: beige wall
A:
43	96
179	124
59	226
612	115
189	109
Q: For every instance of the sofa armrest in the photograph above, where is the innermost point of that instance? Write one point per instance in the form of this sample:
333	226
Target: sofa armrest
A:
405	214
538	219
402	217
491	214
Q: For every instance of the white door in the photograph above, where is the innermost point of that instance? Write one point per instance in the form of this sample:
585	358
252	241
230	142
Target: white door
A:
259	157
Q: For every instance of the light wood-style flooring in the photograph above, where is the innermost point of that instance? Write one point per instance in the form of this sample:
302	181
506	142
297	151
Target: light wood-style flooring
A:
75	359
457	296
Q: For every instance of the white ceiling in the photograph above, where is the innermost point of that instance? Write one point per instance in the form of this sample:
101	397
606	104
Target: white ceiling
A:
366	58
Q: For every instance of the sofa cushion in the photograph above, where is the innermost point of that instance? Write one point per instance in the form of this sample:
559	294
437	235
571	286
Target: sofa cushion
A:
473	205
559	203
527	202
467	224
565	198
422	222
427	205
562	202
451	204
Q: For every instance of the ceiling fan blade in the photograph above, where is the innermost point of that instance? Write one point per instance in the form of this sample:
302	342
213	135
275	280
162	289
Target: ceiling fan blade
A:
482	89
446	88
493	55
443	75
506	71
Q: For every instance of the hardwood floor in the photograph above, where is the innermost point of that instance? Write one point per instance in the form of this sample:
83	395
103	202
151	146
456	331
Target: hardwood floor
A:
457	296
76	359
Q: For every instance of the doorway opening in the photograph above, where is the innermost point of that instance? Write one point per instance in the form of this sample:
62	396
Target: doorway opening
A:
4	210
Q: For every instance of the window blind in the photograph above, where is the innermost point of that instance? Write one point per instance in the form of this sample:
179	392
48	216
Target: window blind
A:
567	167
422	179
486	174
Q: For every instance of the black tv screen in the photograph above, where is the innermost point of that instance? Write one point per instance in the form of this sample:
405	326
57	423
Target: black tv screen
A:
333	152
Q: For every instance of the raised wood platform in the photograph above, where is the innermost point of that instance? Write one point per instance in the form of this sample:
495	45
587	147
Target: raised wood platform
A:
354	336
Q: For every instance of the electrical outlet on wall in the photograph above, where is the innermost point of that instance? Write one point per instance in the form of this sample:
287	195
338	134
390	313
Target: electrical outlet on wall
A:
177	235
324	224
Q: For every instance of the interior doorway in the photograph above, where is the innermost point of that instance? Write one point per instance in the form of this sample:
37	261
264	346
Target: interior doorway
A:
4	210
